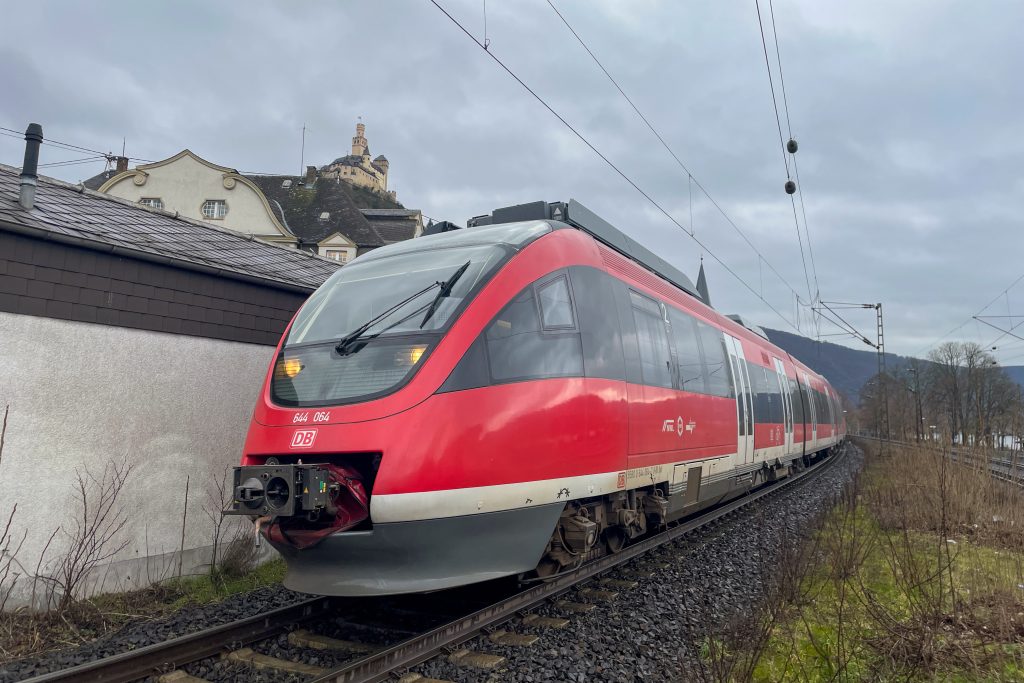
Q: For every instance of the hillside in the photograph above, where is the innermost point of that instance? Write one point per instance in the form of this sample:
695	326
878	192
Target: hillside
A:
848	369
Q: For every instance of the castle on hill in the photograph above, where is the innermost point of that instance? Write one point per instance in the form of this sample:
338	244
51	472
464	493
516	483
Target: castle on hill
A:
357	168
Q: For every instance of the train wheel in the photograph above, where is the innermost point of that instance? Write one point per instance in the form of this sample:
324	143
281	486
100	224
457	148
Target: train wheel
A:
616	538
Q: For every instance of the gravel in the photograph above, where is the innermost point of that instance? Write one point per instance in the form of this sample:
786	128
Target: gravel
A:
142	633
652	633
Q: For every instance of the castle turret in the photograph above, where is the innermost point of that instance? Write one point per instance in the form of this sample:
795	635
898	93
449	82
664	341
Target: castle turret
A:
359	145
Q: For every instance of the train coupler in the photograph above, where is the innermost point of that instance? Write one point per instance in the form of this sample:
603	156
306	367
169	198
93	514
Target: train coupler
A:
282	491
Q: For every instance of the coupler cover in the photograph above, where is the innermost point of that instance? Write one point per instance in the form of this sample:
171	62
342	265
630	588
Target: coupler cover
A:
280	490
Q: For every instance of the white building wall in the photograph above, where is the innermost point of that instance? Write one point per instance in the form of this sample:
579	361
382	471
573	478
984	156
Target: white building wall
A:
81	395
185	183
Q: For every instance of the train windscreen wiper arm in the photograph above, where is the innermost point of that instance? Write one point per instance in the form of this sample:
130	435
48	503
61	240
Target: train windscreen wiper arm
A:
446	290
348	339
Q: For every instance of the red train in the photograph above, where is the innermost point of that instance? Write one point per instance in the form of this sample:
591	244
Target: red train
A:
514	397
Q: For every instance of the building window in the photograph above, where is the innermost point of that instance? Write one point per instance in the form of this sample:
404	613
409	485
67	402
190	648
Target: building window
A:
340	255
215	208
152	202
325	216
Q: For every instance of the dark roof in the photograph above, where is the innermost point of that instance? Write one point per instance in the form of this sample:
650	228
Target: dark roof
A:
97	180
393	225
301	207
72	213
347	160
381	157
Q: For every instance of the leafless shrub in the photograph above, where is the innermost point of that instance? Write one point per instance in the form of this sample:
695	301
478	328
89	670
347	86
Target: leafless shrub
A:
234	553
93	535
9	549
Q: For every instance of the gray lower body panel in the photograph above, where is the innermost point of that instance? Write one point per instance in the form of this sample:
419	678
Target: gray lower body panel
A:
427	555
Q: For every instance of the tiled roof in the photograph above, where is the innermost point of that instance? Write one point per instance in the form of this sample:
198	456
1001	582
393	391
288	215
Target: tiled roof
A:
72	213
97	180
302	205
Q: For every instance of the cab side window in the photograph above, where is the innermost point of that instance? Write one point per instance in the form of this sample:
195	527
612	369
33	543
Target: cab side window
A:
535	336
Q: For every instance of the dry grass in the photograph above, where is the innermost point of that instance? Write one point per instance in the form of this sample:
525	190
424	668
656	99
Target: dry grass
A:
916	574
24	633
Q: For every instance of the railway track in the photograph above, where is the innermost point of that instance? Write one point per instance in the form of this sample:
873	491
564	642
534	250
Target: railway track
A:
385	638
1010	470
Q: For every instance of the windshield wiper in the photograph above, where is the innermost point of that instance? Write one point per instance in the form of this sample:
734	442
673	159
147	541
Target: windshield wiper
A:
345	342
446	290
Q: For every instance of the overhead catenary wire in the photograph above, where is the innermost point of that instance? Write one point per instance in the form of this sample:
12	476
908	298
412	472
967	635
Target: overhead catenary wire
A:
692	180
782	141
796	166
607	161
966	322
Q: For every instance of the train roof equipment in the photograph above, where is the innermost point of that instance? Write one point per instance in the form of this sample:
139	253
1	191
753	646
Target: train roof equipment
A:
578	216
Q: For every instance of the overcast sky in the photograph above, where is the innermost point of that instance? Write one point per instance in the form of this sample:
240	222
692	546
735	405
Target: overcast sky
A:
908	114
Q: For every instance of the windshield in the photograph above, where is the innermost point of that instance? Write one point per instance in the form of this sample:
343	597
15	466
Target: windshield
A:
360	292
312	371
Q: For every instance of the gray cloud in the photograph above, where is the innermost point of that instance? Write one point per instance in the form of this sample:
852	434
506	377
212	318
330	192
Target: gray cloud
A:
907	114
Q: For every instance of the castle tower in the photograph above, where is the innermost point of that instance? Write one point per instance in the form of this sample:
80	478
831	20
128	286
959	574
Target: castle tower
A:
382	163
359	145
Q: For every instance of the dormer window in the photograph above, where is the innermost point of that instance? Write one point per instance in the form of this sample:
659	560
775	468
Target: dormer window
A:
152	202
286	184
325	216
215	209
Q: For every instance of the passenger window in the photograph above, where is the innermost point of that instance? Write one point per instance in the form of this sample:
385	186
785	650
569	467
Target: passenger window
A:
719	381
598	323
655	357
555	305
518	348
688	354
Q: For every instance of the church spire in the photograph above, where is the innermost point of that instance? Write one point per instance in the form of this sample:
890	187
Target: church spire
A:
702	284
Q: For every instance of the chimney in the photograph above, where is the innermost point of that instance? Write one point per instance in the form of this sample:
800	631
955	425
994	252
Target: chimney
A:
27	191
122	164
310	174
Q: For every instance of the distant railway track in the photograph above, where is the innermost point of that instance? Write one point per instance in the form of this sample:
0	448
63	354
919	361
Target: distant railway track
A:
1010	470
371	663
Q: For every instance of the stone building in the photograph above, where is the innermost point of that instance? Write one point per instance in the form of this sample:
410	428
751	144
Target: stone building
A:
357	168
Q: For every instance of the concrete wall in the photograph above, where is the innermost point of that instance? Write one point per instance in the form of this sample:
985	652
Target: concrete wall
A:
81	395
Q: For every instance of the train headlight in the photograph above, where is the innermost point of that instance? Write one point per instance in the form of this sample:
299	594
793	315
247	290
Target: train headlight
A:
290	367
415	353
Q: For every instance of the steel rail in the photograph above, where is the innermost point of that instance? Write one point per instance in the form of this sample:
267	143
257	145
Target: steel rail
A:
166	656
402	656
968	458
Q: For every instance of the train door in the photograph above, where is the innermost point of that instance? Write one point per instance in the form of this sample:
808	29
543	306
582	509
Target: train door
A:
787	403
744	404
813	407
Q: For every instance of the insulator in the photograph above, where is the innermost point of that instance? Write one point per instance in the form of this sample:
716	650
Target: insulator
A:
791	146
790	187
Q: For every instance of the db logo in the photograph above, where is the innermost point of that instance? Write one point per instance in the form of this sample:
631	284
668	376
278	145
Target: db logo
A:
303	438
621	483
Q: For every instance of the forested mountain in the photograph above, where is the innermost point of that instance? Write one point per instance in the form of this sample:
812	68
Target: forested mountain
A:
848	369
